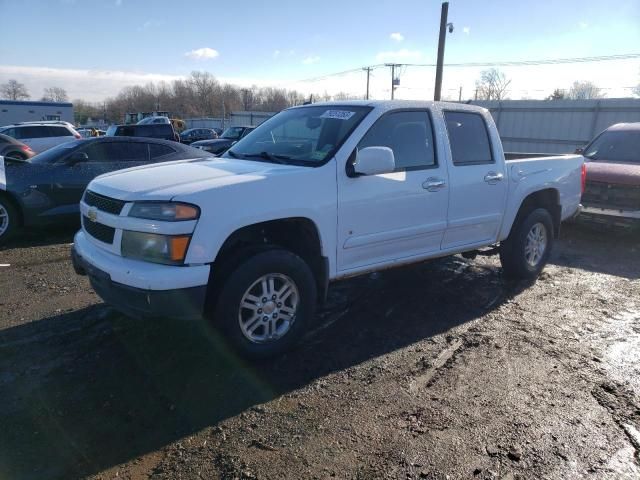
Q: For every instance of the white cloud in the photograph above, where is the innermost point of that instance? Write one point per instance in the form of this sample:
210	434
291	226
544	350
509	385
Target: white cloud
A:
466	30
311	60
276	53
398	37
402	54
204	53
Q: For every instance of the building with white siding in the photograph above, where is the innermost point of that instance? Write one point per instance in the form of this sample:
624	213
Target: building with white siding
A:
14	111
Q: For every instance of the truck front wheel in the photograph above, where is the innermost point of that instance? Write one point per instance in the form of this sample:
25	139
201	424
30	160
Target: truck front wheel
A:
266	303
525	252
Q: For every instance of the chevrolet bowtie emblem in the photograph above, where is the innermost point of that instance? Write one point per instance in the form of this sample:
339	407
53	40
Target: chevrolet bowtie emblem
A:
92	215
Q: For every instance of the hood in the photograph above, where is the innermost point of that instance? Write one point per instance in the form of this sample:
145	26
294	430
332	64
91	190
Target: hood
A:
614	173
213	141
163	181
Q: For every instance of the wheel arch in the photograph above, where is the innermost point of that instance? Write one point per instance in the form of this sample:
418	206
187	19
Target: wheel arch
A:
15	204
299	235
549	199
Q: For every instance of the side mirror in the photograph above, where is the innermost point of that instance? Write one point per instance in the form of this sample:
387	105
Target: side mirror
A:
77	157
374	161
579	151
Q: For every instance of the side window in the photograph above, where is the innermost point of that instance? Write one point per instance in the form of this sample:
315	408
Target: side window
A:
13	132
126	152
469	138
408	134
59	132
31	132
96	152
157	151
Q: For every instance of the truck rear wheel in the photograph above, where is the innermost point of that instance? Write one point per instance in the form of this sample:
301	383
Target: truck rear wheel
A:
266	303
526	250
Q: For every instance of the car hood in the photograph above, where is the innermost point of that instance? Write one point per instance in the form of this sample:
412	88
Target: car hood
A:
615	173
214	141
163	181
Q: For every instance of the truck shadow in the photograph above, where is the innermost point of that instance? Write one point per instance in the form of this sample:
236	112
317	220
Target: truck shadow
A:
614	251
90	389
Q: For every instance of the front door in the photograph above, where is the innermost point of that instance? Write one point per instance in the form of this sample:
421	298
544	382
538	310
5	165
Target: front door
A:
478	182
394	216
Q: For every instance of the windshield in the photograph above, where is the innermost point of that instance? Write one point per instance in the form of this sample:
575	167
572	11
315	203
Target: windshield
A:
303	136
233	133
111	131
56	153
615	146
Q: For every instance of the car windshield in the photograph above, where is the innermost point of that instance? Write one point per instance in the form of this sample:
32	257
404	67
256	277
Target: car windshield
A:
615	146
54	154
232	133
302	136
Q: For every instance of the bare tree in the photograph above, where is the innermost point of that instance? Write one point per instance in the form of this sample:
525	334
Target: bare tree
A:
492	85
55	94
14	90
584	91
636	90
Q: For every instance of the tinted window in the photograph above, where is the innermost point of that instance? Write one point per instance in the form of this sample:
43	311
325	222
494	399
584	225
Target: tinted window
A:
57	153
615	146
12	132
408	134
468	138
59	132
233	133
116	152
163	130
32	132
156	150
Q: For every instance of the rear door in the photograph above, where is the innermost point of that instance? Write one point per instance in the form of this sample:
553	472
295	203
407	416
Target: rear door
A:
398	215
103	157
36	136
478	182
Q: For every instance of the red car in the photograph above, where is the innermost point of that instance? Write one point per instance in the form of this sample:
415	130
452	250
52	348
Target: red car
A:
612	193
12	148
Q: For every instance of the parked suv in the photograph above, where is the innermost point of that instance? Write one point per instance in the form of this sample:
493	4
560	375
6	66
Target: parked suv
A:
196	134
163	131
41	136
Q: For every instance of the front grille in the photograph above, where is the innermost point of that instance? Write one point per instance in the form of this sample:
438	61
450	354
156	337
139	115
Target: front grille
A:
99	231
106	204
606	195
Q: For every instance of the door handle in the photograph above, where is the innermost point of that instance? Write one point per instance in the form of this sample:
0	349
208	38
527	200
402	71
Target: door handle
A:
493	177
433	184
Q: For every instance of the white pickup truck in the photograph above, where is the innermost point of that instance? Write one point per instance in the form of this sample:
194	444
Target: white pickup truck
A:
315	194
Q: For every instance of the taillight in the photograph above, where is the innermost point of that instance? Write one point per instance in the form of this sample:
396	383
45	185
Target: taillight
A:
25	148
77	135
584	177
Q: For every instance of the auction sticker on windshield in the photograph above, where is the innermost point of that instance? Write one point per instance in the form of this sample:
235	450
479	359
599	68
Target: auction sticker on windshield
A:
338	114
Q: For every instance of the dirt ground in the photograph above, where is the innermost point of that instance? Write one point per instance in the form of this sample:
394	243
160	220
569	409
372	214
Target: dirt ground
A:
436	371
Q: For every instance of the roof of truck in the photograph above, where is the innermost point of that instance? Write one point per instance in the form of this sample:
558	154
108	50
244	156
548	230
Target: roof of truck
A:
395	104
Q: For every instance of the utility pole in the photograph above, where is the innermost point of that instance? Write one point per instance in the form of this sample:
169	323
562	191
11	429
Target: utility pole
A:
245	94
394	81
368	70
441	40
460	94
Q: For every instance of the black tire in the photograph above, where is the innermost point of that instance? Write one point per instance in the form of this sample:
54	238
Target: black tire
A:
227	311
9	220
16	155
513	257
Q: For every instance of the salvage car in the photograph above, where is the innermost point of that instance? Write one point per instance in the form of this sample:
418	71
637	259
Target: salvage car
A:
219	145
612	192
12	148
47	188
315	194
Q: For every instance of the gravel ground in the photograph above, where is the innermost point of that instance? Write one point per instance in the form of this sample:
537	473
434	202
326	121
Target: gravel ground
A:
440	370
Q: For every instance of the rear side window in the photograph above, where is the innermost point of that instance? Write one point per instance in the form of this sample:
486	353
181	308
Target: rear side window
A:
12	132
59	132
408	134
31	132
157	151
117	152
162	130
469	138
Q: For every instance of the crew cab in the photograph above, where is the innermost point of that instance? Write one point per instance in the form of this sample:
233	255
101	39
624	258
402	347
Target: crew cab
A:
317	193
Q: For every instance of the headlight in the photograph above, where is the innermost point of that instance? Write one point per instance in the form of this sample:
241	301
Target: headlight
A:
151	247
165	211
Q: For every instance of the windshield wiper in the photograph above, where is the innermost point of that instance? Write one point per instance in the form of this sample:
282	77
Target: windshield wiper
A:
274	158
233	154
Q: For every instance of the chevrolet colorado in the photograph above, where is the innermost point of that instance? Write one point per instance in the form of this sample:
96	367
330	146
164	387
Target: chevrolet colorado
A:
317	193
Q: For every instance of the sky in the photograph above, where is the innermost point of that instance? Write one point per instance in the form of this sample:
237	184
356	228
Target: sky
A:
93	48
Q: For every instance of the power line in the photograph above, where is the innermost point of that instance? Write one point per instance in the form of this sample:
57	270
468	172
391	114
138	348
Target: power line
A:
513	63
